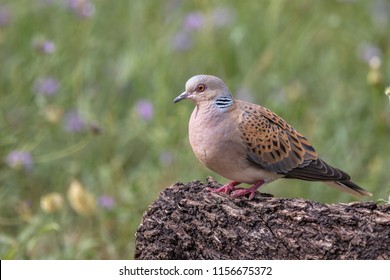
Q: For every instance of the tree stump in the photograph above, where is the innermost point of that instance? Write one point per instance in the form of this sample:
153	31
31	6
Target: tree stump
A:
188	222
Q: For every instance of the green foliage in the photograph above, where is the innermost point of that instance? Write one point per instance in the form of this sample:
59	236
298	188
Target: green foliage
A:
86	94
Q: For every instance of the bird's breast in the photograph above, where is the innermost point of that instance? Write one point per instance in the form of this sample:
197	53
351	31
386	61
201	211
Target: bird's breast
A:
211	137
214	142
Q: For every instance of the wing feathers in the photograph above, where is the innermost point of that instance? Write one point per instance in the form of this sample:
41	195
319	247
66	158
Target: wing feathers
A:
318	170
349	187
274	145
271	142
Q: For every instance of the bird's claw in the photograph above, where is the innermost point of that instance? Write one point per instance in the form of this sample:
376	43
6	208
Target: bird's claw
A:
231	189
228	188
243	191
251	191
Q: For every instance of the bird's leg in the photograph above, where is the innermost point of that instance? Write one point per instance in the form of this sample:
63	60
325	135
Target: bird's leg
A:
227	188
252	190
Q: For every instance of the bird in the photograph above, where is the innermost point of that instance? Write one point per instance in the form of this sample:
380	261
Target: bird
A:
248	143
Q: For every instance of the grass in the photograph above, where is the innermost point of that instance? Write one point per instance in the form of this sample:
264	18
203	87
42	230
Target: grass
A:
86	100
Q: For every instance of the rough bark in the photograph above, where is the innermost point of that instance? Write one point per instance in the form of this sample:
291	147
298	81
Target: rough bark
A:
188	222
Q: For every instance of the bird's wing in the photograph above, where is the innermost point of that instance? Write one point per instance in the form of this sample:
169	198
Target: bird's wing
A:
271	142
274	145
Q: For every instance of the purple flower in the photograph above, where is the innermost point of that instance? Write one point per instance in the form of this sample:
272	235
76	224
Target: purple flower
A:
368	51
47	86
82	8
48	47
20	160
145	109
194	21
181	41
5	16
74	123
223	16
44	46
106	201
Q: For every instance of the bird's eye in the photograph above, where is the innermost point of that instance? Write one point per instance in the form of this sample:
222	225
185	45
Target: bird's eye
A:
201	88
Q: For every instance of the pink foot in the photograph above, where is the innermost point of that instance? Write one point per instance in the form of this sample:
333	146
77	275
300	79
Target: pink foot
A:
252	190
229	187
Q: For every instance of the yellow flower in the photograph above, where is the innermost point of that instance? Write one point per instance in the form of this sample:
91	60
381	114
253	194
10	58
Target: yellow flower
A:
387	92
374	76
81	200
53	114
52	202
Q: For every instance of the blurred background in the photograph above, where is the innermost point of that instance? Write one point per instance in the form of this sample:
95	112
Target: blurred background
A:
88	132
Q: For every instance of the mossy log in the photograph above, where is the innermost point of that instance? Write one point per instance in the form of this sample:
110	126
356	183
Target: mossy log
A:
188	222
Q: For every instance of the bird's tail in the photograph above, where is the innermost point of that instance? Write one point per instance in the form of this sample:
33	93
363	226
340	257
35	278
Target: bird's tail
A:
349	187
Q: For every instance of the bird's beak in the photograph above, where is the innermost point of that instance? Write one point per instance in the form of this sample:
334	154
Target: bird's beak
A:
182	96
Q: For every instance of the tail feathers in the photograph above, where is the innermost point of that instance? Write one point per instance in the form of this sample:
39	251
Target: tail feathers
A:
349	187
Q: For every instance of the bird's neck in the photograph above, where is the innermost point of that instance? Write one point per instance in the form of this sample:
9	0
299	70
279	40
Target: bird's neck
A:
214	110
223	103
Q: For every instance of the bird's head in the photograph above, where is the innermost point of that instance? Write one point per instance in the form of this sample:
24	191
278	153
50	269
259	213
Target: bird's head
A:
204	88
